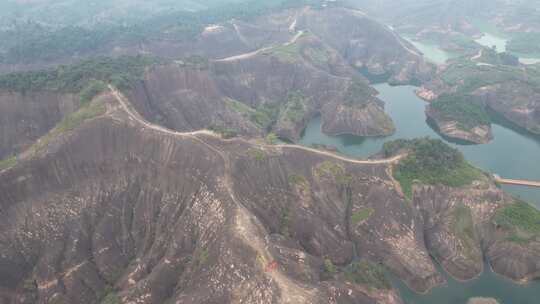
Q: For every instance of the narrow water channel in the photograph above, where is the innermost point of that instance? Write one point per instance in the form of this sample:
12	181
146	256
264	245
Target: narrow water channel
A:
511	154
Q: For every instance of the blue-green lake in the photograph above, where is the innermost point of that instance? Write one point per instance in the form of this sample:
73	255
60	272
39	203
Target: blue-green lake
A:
511	154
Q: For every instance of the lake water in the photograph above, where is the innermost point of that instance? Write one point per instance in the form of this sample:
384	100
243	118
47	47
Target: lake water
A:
511	154
491	40
432	52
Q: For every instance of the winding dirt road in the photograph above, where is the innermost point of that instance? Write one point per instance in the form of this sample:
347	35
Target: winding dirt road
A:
256	52
245	225
125	104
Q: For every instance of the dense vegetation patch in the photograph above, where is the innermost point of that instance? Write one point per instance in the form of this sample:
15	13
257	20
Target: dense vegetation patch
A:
285	222
361	215
522	219
358	93
31	42
294	108
432	162
367	273
111	298
8	162
257	154
335	171
91	90
223	131
491	56
265	115
466	75
121	72
462	109
297	179
525	43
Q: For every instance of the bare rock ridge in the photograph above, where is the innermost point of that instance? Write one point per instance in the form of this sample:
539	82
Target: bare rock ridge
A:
122	208
493	89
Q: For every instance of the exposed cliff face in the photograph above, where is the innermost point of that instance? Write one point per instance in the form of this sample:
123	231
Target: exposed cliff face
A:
465	226
507	90
364	120
122	208
452	129
454	220
186	99
277	89
368	45
26	117
165	216
516	101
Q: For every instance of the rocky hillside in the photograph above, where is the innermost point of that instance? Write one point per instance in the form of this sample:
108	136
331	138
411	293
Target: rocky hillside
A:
115	208
269	74
363	42
469	88
27	117
276	89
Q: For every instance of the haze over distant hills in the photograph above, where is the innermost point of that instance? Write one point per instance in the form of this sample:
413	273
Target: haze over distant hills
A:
149	153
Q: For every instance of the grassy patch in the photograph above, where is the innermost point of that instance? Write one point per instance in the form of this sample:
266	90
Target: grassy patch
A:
265	115
294	109
367	273
8	162
329	270
358	93
329	167
289	53
317	55
466	76
463	227
239	107
361	215
111	298
285	222
296	179
433	162
522	219
223	131
201	258
334	170
75	119
271	139
462	109
525	43
93	88
257	154
392	148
